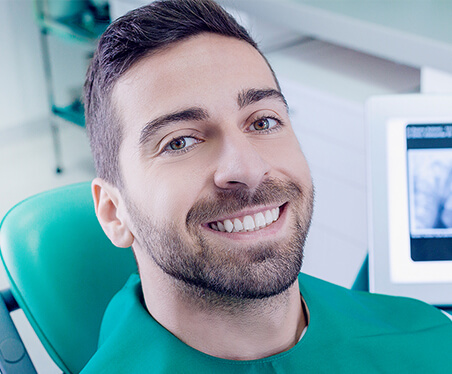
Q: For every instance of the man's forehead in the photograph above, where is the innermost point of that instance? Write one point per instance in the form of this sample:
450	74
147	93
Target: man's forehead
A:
202	50
194	72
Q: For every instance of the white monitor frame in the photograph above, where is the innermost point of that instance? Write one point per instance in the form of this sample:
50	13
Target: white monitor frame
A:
391	268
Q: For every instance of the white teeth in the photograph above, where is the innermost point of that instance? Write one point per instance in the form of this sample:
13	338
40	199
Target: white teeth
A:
275	214
260	220
228	225
250	223
268	217
238	225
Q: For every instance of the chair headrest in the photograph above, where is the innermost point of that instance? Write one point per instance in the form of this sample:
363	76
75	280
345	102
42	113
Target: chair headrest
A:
63	270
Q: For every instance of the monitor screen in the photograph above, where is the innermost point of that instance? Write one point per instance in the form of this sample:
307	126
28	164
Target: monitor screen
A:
429	173
419	166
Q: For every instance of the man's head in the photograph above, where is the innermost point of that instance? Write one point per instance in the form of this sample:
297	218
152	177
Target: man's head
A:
206	153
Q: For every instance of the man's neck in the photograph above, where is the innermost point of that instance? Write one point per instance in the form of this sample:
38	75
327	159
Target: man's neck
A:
224	327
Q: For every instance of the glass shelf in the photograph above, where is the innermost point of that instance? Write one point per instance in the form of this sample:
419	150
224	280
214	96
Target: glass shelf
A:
75	28
71	21
73	113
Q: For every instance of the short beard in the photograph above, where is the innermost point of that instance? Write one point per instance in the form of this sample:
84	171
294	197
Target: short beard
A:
207	268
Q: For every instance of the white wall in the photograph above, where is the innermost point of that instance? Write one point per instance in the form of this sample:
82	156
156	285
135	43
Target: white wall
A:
22	90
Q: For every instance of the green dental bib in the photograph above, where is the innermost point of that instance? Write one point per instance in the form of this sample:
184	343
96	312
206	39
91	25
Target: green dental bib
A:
348	332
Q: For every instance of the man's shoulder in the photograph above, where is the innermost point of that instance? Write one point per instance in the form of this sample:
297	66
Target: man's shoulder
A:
382	313
378	332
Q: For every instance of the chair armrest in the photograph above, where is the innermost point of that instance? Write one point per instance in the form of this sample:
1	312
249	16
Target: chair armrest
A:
14	358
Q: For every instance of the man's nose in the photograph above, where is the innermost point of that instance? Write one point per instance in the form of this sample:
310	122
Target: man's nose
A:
240	164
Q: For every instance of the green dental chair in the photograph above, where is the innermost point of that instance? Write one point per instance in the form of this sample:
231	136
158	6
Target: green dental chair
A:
63	271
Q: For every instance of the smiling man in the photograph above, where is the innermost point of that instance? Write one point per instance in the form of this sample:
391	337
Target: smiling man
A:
200	172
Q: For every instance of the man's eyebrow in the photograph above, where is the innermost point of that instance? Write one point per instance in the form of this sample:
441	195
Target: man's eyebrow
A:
253	95
190	114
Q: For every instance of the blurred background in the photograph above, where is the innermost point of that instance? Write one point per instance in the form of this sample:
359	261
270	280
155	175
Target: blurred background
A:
330	57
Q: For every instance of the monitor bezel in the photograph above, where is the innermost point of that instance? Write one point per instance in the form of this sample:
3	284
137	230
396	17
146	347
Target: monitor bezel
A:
395	112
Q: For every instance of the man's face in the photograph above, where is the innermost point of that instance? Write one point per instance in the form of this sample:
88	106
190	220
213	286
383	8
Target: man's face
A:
218	191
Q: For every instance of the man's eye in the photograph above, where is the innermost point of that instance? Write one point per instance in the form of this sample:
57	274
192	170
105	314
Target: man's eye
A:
181	143
264	123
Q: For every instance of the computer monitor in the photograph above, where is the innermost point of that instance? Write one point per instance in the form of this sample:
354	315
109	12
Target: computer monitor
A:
410	196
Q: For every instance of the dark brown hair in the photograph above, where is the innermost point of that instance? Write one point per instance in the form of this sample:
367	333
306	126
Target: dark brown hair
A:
137	34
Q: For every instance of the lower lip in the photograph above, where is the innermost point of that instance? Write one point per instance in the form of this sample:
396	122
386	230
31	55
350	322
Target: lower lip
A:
270	230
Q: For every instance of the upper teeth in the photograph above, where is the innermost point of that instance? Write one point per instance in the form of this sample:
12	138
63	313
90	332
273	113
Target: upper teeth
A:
247	223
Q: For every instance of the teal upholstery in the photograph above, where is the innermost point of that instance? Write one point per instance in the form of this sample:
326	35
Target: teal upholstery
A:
361	282
63	270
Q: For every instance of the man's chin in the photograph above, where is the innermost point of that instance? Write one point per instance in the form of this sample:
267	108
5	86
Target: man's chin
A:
257	272
241	288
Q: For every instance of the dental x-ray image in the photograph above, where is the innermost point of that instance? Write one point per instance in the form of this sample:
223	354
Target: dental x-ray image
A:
430	191
431	175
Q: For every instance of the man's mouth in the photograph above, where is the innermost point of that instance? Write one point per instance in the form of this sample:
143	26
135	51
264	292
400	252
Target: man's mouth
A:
247	223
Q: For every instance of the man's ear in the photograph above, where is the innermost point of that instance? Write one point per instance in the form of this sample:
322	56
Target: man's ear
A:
111	213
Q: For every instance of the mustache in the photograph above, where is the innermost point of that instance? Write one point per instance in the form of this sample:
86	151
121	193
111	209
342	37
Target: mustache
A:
270	191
